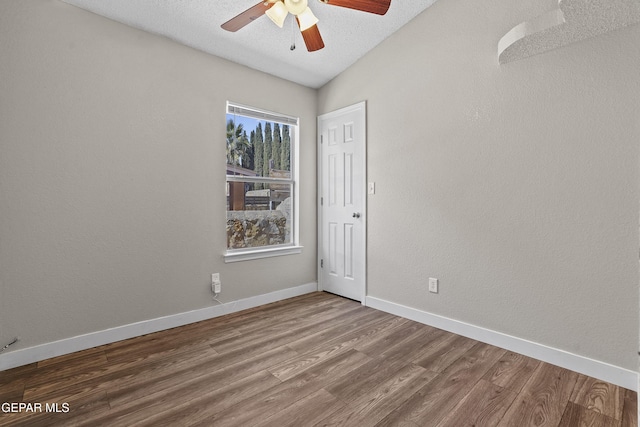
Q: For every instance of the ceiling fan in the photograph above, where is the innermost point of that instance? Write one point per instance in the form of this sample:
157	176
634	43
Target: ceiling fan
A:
277	11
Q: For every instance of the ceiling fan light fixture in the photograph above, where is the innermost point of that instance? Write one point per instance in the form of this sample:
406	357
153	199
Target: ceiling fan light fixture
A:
277	13
306	19
296	7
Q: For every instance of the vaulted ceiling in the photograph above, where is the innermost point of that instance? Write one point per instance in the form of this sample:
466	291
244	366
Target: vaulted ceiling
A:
348	34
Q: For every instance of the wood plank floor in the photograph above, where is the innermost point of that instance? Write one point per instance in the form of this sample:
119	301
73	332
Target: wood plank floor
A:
314	360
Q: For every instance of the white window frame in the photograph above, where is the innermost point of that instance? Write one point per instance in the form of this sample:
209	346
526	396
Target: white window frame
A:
235	255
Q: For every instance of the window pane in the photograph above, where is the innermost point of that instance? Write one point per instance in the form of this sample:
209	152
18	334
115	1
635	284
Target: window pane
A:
258	147
258	214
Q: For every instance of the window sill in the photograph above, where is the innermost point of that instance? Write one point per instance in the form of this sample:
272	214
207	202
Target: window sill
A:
247	255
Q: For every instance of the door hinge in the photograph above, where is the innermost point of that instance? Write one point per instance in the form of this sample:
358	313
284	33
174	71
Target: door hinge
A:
321	263
321	201
321	139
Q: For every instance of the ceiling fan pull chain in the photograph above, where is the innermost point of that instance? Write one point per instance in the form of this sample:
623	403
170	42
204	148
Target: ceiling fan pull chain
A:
293	37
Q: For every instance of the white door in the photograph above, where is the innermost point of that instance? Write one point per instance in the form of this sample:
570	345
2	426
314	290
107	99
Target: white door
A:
342	204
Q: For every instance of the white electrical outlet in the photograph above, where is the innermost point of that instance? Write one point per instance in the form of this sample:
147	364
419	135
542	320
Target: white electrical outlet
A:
433	285
216	285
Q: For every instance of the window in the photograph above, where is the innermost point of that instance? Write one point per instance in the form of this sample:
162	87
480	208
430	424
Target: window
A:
261	183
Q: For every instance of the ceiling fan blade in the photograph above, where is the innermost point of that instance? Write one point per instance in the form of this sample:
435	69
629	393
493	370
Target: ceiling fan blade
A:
312	38
246	17
379	7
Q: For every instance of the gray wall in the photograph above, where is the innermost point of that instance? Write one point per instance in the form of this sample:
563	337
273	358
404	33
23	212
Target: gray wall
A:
515	185
112	191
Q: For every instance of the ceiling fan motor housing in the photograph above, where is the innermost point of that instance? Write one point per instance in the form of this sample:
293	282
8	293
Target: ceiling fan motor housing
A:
296	7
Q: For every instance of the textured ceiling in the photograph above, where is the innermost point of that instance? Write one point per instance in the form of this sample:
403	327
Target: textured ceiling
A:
347	34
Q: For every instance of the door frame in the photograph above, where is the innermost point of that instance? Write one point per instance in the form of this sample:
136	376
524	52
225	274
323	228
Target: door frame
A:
361	108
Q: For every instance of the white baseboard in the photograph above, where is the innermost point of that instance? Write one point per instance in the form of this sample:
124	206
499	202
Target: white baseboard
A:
603	371
82	342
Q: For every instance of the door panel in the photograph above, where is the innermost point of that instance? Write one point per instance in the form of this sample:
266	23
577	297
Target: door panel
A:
348	251
342	186
348	179
333	249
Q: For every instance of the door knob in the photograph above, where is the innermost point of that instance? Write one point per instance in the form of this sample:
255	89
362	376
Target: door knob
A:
356	214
